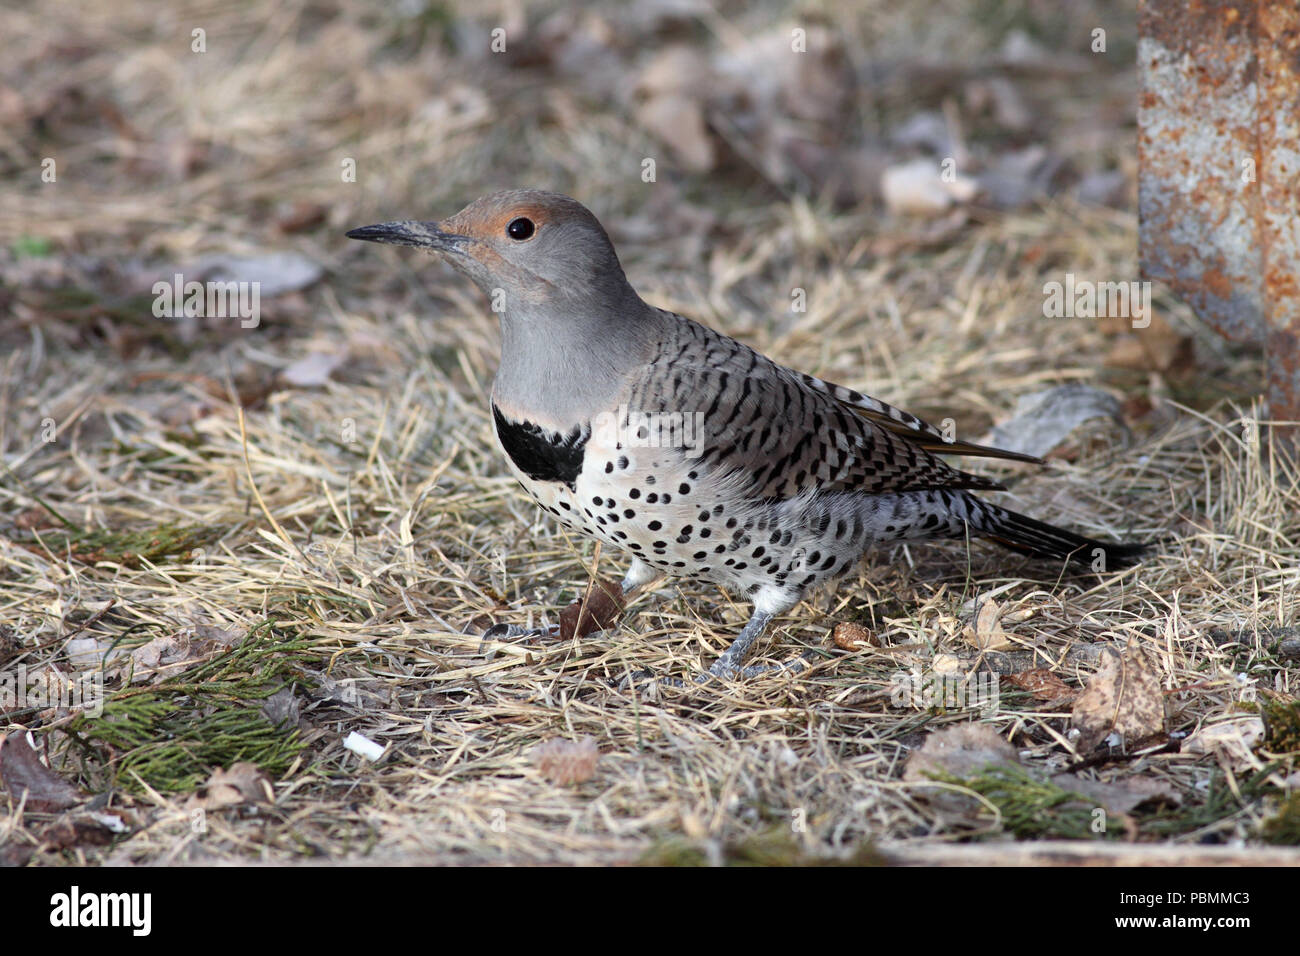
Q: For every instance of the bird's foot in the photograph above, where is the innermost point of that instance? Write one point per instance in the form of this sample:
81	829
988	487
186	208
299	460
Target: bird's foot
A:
512	632
597	610
722	671
718	672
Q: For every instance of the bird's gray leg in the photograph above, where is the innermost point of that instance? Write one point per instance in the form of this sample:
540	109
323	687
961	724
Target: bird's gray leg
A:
728	665
638	575
768	603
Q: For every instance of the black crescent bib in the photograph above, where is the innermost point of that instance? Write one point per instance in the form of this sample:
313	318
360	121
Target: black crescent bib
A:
541	454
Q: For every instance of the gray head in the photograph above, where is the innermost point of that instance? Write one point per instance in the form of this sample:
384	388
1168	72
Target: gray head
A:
536	247
571	324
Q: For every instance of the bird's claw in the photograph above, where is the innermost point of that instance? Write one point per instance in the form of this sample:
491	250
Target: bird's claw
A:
720	671
509	632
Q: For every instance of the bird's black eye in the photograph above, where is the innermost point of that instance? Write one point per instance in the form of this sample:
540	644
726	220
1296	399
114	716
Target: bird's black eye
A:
520	229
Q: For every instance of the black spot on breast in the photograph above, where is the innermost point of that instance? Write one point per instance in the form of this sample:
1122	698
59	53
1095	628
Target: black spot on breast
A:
540	454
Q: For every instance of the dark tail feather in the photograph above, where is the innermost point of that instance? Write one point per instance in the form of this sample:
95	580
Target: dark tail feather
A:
1042	540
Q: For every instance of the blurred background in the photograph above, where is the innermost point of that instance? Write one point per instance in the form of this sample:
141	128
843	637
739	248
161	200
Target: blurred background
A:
779	140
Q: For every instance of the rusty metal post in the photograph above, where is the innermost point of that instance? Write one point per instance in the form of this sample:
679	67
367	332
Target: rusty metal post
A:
1219	171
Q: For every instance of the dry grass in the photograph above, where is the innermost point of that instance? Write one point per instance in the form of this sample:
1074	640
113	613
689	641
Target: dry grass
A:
365	533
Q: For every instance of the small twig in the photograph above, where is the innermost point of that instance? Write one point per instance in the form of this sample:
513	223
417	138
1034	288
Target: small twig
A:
586	595
1156	744
94	618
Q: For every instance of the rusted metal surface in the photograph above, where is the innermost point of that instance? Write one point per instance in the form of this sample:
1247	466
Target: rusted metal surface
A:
1219	171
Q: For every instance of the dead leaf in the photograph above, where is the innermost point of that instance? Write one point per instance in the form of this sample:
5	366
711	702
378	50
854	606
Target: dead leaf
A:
1042	685
313	370
153	654
950	664
239	783
1004	99
166	653
16	854
567	762
1019	177
1108	187
678	121
79	831
1127	352
924	131
23	773
1122	698
1120	796
770	107
1231	741
1159	346
213	636
919	188
670	105
91	652
1045	420
301	216
849	636
961	750
282	707
605	603
1136	408
34	519
987	633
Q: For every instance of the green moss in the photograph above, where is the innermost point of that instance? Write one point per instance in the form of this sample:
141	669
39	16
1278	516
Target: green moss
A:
170	736
1032	807
128	548
1281	725
1221	802
30	247
1283	828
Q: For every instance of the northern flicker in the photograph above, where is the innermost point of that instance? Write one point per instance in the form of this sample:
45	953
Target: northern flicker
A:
687	449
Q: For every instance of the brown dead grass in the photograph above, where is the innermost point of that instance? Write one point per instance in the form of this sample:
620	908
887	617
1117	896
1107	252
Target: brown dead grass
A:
388	554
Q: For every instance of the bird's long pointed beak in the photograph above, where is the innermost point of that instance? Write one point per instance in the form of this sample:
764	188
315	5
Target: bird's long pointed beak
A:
411	232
